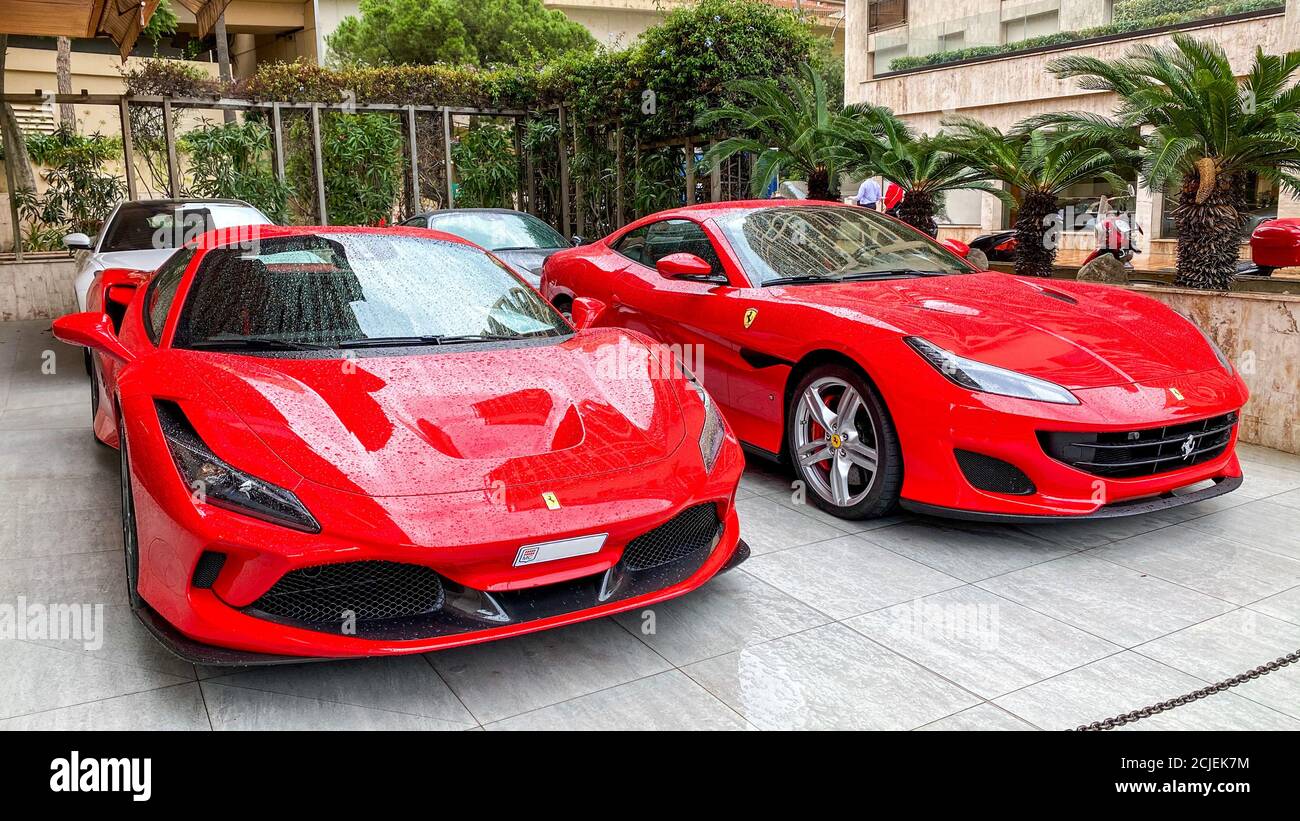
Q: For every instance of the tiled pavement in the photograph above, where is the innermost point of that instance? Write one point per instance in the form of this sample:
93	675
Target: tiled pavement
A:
897	624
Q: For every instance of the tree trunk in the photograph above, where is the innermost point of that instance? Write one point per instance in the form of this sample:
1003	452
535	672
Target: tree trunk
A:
819	185
1035	253
63	77
223	61
16	157
1209	235
917	210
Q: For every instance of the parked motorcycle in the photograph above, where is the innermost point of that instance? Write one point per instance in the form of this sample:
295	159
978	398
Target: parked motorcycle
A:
1116	235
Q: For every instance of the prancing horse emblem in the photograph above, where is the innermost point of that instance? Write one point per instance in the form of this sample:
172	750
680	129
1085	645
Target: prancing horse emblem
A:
1189	445
750	315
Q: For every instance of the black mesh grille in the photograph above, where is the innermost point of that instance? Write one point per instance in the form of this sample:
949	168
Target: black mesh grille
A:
371	590
1147	452
691	530
208	568
993	475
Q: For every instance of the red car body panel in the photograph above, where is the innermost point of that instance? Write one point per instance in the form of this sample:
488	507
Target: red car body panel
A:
1127	358
439	459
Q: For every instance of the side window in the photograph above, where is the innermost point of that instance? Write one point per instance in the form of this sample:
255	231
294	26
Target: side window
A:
162	291
417	222
632	244
679	236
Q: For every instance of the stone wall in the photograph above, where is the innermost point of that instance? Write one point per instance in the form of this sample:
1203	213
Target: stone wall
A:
1261	334
40	287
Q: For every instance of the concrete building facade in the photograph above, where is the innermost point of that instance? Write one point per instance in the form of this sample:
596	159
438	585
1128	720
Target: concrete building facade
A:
1004	89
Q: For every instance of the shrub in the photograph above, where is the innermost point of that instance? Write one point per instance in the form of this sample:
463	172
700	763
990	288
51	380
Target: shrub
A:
234	160
485	166
360	156
79	194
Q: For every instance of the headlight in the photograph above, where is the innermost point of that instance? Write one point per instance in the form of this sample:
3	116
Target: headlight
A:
713	431
221	485
978	376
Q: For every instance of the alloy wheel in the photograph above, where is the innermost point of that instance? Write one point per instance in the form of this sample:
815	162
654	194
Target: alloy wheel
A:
835	445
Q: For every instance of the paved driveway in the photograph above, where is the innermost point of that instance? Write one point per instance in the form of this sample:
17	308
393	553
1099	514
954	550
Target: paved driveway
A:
897	624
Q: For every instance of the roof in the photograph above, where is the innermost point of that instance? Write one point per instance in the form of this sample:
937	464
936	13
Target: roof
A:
222	237
713	210
119	20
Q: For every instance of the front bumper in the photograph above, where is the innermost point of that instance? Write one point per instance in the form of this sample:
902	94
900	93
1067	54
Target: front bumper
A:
1134	507
529	611
470	540
1007	429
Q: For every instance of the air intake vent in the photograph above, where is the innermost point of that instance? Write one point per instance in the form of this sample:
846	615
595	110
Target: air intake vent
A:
208	569
695	528
1146	452
371	590
993	475
1058	295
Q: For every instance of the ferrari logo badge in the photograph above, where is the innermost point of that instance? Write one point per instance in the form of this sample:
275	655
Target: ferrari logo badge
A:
1177	394
750	315
837	441
1189	447
552	503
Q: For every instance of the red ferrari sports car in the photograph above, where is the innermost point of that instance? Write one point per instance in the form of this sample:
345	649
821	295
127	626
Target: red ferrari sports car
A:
345	442
887	369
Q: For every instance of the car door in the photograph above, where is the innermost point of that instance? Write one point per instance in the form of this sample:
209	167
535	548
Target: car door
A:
690	315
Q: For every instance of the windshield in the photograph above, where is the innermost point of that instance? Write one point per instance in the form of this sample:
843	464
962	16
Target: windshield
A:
142	226
830	242
499	231
335	290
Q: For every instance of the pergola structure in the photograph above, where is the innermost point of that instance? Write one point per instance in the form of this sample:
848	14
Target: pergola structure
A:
119	20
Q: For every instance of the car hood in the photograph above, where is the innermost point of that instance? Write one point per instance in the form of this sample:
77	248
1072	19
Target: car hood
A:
147	259
450	421
1074	334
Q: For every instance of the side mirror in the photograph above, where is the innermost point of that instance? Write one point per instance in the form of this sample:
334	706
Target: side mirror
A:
77	242
685	266
91	330
577	240
586	312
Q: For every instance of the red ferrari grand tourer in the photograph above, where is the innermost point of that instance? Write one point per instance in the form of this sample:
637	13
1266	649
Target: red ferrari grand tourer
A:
884	368
344	442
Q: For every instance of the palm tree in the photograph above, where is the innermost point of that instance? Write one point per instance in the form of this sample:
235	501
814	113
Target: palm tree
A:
1205	133
1039	164
877	142
788	126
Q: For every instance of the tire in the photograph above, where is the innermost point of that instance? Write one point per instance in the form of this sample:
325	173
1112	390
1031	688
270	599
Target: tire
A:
130	534
94	396
89	360
831	447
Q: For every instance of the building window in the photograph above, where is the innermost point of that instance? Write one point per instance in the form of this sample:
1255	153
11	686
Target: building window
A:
883	14
1034	25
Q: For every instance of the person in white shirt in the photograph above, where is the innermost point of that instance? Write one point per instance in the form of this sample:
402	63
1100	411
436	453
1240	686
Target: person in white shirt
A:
869	194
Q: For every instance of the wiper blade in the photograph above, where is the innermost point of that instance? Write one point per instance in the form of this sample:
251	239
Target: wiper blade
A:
891	273
798	280
427	339
254	343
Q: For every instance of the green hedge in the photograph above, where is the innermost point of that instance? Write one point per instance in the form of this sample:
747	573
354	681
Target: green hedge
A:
687	61
1130	23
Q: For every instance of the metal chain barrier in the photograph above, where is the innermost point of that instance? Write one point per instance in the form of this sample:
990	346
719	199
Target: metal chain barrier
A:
1160	707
